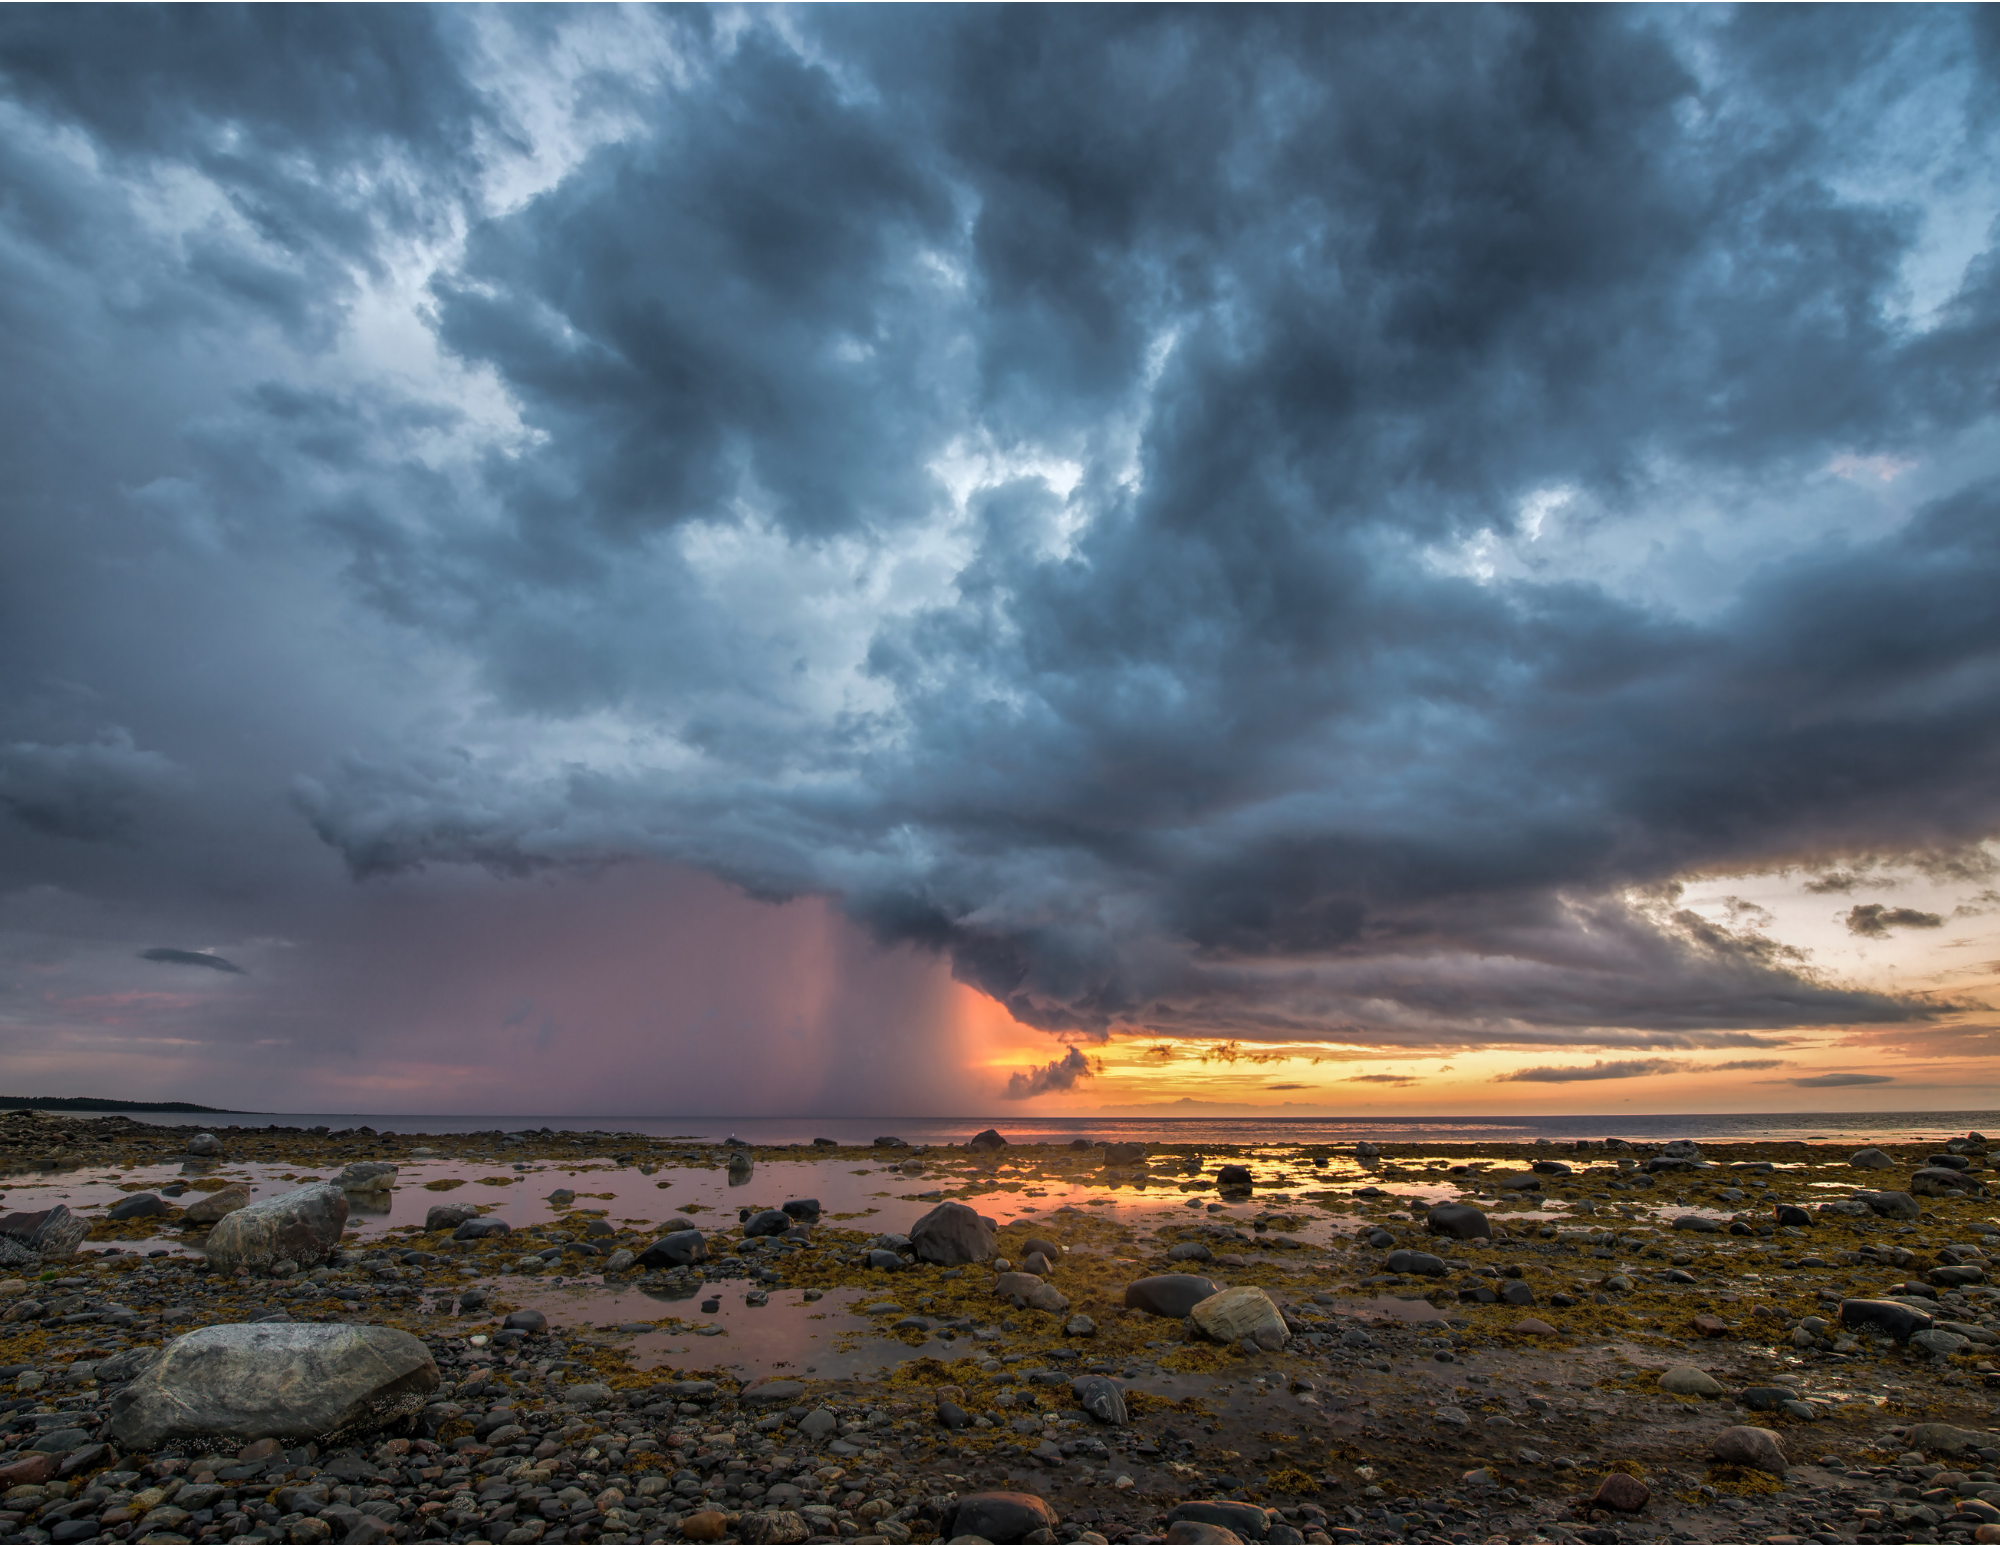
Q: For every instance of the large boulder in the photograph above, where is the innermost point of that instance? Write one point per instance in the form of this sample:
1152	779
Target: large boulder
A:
1891	1204
1031	1290
1101	1397
1872	1158
1753	1448
952	1234
1124	1155
1233	1177
1525	1180
986	1141
474	1229
448	1215
294	1382
1186	1531
214	1207
367	1175
1001	1517
683	1247
1943	1438
1939	1181
804	1208
204	1145
1418	1262
146	1204
47	1235
1239	1314
1172	1296
1246	1520
301	1226
1681	1148
769	1222
1885	1315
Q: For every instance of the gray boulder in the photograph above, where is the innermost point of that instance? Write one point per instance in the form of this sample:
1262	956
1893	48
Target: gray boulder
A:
448	1215
986	1141
804	1208
1885	1315
294	1382
47	1235
1172	1296
1187	1531
1891	1204
477	1228
763	1224
1872	1158
145	1205
1246	1520
1525	1181
683	1247
367	1175
215	1206
1124	1155
1031	1290
1233	1177
1458	1220
952	1234
1681	1148
302	1226
1189	1250
1419	1263
1754	1448
1939	1181
1101	1397
204	1145
1002	1517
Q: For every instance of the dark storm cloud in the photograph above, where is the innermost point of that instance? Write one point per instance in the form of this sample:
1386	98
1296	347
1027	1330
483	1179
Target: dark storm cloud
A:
1037	477
1592	1073
1050	1078
174	957
1873	921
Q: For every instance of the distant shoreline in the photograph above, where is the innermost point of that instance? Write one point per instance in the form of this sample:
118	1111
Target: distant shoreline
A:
82	1102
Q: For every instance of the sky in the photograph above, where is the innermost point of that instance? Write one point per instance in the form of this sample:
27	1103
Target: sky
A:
947	560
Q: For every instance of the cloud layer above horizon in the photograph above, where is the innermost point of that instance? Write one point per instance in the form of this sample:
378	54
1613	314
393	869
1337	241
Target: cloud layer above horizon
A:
1286	525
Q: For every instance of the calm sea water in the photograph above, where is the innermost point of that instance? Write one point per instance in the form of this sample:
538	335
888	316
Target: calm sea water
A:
1882	1126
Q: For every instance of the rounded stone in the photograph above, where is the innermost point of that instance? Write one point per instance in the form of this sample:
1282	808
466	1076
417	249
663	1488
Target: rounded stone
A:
1752	1448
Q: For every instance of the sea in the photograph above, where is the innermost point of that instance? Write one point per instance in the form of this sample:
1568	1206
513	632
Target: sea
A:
1843	1126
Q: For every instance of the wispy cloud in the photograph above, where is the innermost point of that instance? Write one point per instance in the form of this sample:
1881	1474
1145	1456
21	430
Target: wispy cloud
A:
1639	1068
174	957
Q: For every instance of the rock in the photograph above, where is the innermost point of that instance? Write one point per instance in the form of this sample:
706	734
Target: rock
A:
1708	1325
1186	1531
772	1392
762	1225
1523	1181
1172	1296
1943	1438
1238	1314
301	1226
533	1321
367	1175
683	1247
1872	1158
1080	1325
773	1528
1245	1520
705	1525
1554	1167
986	1142
145	1205
1002	1517
28	1470
804	1208
1660	1164
1233	1177
1695	1223
211	1209
1954	1276
1941	1343
47	1235
1366	1151
1943	1182
620	1260
1188	1250
1101	1397
1681	1148
448	1215
1884	1315
1765	1397
1752	1448
1124	1155
1685	1379
1891	1204
1458	1220
1789	1216
1621	1493
483	1228
204	1145
291	1381
1535	1327
587	1395
1037	1264
1519	1294
819	1423
952	1234
1031	1289
1451	1416
1417	1262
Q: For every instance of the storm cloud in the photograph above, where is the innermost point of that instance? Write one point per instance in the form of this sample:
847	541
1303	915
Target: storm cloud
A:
1269	524
166	955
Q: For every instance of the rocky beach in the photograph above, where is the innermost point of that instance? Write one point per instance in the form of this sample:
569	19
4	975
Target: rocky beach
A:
534	1338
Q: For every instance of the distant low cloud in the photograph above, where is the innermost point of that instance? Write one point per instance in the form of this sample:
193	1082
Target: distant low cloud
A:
1050	1078
1638	1068
1873	921
174	957
1748	1065
1380	1078
1834	1080
1288	1086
